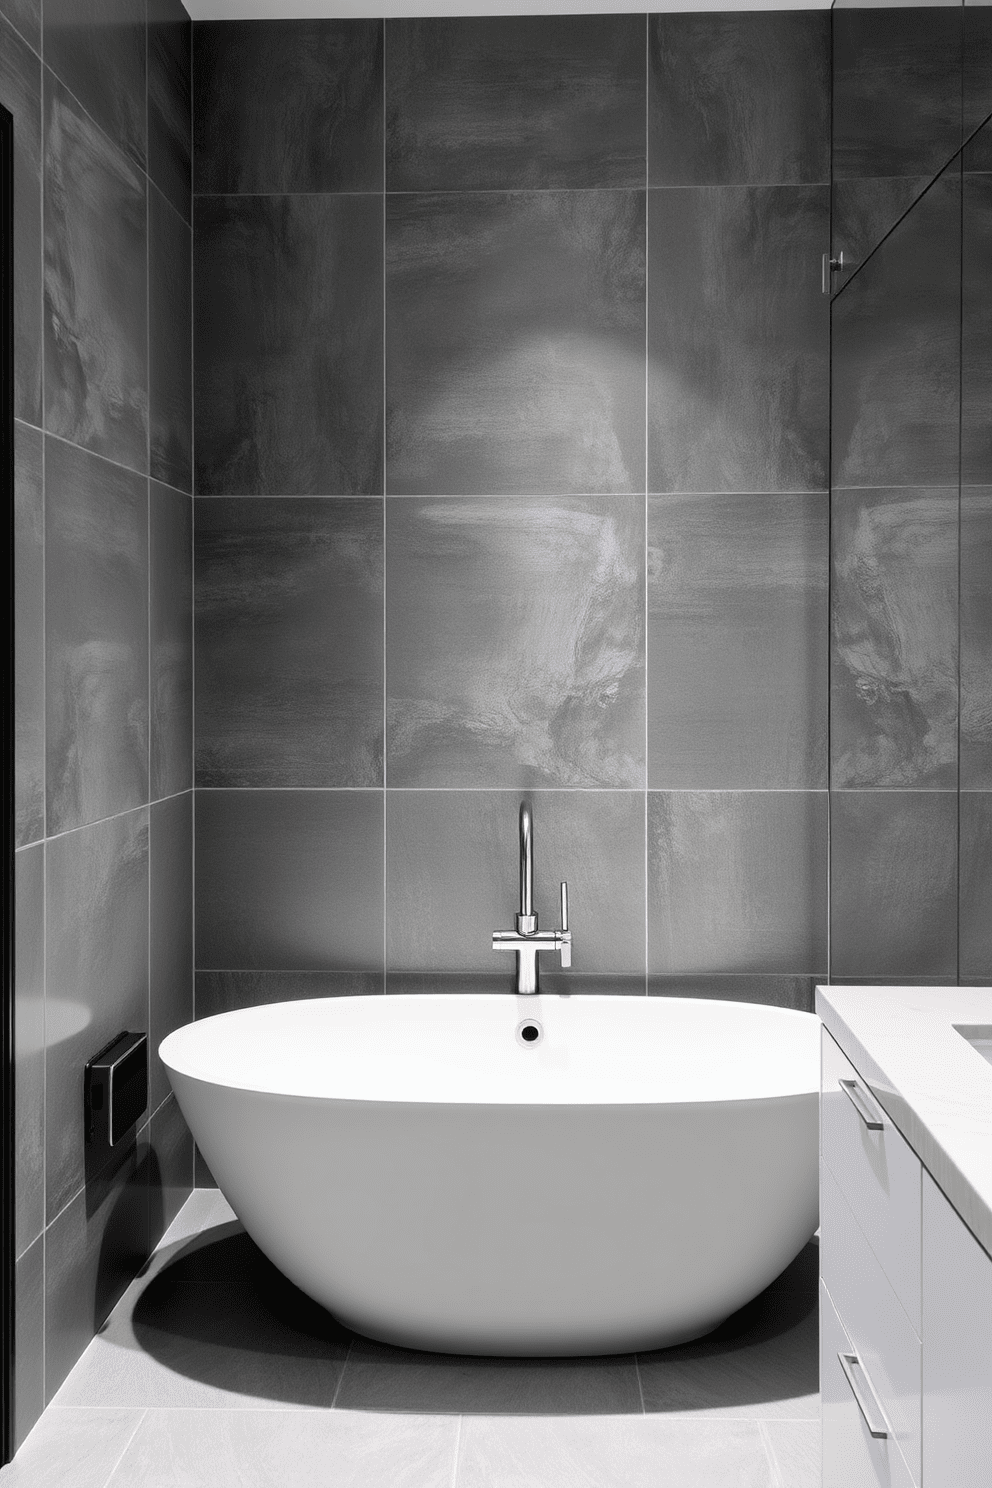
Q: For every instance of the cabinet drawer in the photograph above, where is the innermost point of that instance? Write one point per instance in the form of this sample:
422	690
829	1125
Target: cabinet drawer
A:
852	1457
878	1173
873	1318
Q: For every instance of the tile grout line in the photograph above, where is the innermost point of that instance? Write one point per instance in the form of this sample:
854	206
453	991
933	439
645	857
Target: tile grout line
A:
344	1366
770	1453
137	1427
458	1451
640	1384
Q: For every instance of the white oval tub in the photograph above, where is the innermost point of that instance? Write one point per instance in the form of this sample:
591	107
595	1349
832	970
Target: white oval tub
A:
624	1183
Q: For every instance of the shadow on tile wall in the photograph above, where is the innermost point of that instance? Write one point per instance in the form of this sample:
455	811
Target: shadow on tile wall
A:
103	587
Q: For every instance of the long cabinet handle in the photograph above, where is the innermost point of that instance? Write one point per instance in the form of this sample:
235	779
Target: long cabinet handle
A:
869	1407
865	1108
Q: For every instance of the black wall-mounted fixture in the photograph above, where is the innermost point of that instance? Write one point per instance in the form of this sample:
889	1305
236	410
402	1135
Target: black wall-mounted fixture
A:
115	1089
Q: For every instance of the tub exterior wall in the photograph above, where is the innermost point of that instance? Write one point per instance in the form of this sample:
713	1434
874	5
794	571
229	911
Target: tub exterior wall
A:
103	512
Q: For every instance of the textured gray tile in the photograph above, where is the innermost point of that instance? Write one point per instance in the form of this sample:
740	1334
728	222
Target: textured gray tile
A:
169	103
737	882
452	878
643	1452
290	105
289	643
737	667
29	1046
92	1251
893	884
97	929
515	342
738	335
761	1363
170	1168
96	637
380	1378
25	15
896	342
739	99
894	672
170	898
20	94
977	79
976	342
795	1450
97	49
29	635
496	102
96	287
72	1446
269	867
975	910
863	211
288	356
199	1449
170	375
772	991
29	1340
170	553
515	642
202	1176
224	991
976	638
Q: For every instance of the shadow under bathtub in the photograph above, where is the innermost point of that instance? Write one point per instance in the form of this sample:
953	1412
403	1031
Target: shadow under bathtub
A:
219	1313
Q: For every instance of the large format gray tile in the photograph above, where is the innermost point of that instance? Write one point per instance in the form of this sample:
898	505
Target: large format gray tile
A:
977	72
343	1449
896	342
611	1452
288	355
20	94
292	105
976	638
96	637
974	919
515	342
289	642
737	667
170	900
739	99
289	880
496	102
976	339
72	1446
737	341
170	330
795	1451
737	882
380	1378
452	862
762	1363
29	635
97	929
224	991
894	674
170	613
29	1341
97	49
169	104
893	884
170	1167
96	287
29	1046
771	991
25	15
515	642
862	211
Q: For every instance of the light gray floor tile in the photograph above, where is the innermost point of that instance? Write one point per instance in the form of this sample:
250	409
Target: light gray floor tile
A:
612	1452
288	1449
77	1447
795	1450
381	1378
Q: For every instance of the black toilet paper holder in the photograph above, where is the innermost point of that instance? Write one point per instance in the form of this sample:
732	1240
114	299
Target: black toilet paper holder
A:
115	1089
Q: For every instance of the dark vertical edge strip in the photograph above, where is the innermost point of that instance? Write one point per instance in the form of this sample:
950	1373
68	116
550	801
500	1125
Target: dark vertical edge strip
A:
385	488
961	224
647	483
830	503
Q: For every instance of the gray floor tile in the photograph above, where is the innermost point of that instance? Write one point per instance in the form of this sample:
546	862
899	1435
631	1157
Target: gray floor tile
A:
613	1452
291	1449
378	1377
81	1447
795	1451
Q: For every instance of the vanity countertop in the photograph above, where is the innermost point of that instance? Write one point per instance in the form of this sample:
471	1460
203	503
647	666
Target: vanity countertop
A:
934	1085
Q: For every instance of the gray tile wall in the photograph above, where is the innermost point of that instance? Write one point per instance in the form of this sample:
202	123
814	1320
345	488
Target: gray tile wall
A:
511	475
101	98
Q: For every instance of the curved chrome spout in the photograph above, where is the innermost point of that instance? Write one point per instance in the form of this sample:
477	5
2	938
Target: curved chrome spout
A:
526	918
526	940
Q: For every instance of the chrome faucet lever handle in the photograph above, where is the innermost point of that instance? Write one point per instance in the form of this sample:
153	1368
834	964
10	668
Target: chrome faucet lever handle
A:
564	905
565	935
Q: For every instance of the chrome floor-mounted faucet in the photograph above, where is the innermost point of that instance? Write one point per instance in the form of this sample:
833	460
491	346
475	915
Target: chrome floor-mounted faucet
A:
527	940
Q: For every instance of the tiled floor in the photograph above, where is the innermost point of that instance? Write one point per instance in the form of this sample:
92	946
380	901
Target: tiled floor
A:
213	1372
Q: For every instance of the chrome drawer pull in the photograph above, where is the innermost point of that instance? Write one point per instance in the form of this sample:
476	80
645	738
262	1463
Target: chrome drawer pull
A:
859	1101
874	1419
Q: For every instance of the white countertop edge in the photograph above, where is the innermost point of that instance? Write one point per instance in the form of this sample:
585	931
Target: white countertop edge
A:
936	1089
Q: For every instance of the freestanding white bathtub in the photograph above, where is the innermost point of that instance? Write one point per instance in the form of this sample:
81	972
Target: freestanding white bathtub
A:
625	1181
